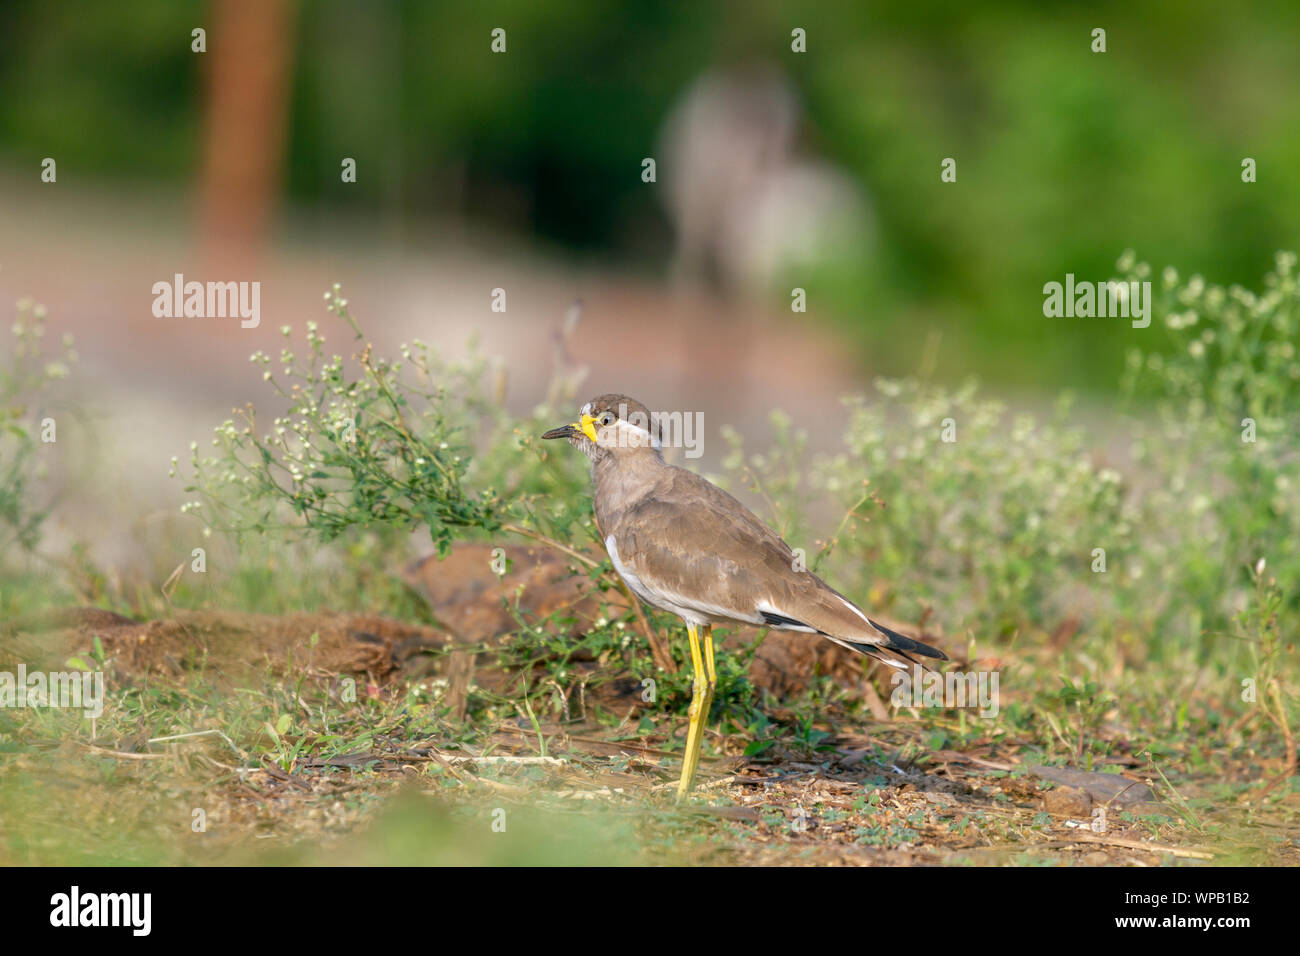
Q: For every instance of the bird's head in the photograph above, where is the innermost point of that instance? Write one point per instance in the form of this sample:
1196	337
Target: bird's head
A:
612	425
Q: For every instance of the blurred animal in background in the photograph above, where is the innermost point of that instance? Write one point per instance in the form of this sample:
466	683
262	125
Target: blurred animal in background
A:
567	373
747	208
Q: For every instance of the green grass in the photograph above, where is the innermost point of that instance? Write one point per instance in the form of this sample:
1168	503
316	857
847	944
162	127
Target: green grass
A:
1176	661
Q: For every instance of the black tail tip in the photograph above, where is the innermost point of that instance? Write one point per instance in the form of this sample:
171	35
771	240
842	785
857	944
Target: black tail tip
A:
900	642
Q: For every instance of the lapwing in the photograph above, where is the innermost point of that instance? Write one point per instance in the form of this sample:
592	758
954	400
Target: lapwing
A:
684	545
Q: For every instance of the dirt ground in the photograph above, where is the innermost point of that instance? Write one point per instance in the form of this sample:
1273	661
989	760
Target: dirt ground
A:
871	789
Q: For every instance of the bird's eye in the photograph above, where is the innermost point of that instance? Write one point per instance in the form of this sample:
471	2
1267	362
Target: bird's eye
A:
607	419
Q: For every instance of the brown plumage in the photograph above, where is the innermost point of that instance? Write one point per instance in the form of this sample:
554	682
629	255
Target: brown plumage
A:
684	545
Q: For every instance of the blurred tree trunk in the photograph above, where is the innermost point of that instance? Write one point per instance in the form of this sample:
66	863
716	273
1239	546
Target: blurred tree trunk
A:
249	59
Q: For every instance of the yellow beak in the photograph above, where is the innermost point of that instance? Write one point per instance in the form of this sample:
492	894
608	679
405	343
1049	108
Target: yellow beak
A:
586	426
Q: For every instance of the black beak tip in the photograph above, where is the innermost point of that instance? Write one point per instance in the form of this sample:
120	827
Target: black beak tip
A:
564	431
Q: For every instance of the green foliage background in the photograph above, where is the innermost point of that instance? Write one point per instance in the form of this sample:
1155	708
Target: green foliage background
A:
1064	156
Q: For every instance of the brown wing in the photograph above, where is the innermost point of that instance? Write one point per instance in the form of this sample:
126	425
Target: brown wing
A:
693	545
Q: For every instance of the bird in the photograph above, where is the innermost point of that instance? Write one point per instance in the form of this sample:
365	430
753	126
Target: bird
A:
686	546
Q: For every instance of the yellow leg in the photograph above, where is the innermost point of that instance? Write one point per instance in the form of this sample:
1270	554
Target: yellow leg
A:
710	678
701	701
710	682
